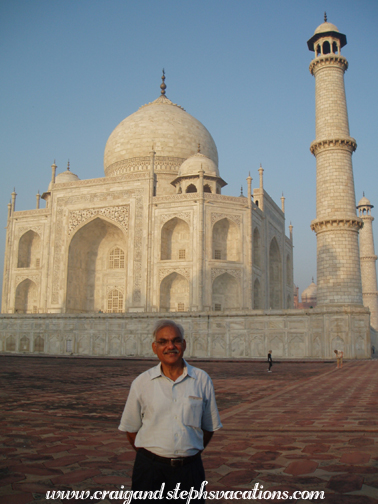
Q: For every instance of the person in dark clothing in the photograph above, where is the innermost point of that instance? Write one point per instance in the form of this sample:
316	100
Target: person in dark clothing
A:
270	361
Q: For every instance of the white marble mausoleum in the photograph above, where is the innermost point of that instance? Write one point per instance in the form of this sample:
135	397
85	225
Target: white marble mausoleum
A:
90	272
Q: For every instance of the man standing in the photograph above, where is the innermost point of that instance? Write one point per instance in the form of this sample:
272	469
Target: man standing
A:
170	417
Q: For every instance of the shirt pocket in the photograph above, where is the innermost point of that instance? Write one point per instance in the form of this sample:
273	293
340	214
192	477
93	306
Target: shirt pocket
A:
192	413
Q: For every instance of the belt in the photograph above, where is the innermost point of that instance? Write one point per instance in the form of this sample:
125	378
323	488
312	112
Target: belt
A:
173	462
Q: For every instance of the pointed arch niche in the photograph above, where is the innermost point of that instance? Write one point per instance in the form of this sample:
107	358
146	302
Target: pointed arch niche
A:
89	275
29	250
257	300
226	240
275	276
256	243
174	293
175	240
26	297
226	293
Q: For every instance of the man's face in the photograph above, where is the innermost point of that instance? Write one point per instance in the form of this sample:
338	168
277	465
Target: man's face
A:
169	346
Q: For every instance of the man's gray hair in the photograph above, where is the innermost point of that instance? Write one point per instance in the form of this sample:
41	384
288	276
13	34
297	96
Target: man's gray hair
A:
159	324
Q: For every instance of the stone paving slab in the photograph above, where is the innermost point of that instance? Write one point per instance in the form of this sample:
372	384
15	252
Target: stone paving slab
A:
305	426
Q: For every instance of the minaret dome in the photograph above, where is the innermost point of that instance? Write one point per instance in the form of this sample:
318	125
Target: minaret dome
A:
326	39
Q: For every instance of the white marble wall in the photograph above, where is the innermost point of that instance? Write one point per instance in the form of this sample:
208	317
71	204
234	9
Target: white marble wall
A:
293	334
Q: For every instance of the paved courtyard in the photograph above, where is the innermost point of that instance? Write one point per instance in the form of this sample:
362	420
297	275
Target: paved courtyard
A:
305	426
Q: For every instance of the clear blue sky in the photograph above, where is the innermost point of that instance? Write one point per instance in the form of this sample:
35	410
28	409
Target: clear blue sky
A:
72	70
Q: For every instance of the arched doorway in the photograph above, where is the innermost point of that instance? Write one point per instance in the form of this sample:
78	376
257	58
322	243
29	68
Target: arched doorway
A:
26	297
174	293
226	293
226	240
96	263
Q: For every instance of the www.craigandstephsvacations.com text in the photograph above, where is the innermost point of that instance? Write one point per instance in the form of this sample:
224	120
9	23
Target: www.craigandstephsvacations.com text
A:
257	492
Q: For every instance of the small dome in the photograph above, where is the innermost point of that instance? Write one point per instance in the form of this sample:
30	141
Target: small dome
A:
197	162
310	292
67	176
364	202
325	27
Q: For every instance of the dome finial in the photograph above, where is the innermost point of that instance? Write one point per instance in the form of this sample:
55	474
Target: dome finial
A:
163	87
68	165
325	17
363	194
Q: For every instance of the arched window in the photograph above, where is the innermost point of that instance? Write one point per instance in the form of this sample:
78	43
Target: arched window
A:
115	301
117	258
29	250
326	47
191	188
206	188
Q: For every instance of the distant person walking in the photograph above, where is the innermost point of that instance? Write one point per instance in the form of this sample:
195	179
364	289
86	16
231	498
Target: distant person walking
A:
270	361
339	357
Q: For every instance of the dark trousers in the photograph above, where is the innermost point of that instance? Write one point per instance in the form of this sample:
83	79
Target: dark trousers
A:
149	475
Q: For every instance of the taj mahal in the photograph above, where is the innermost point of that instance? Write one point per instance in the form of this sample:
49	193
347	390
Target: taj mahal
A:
90	272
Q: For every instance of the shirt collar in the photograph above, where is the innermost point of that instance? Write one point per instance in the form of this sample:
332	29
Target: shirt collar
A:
156	371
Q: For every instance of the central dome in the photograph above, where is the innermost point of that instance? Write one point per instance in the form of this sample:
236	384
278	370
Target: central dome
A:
162	126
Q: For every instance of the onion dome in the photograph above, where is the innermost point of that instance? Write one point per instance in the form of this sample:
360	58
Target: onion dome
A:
196	163
310	294
67	176
325	27
162	126
364	202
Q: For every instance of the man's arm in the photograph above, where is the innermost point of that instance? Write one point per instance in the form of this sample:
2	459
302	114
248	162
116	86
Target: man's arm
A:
207	435
131	439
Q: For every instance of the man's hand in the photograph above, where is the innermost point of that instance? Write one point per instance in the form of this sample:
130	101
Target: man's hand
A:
131	439
207	435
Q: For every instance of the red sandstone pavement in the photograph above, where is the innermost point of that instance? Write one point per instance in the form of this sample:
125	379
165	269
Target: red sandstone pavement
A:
305	426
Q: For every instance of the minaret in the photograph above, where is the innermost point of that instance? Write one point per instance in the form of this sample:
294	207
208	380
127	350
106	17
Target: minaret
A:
368	258
336	224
